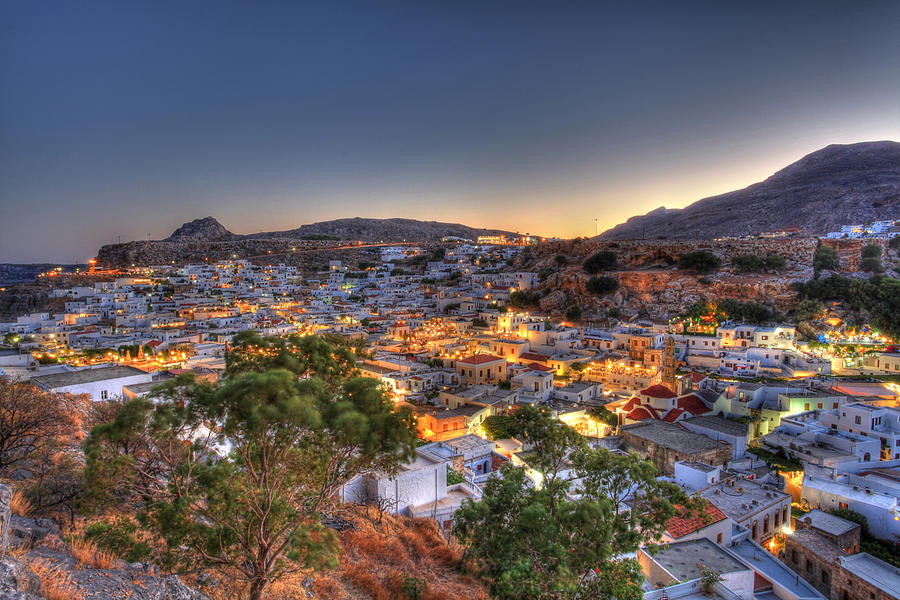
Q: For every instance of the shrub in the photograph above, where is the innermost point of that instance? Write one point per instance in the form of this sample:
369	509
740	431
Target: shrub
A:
118	537
573	312
453	477
895	242
605	260
808	310
413	588
871	251
747	263
601	285
700	261
871	264
825	258
774	262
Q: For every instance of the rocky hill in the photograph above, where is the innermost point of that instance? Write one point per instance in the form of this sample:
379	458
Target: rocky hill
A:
207	238
206	229
834	186
374	230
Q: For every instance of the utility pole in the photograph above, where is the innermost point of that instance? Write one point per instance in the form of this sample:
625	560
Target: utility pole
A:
596	228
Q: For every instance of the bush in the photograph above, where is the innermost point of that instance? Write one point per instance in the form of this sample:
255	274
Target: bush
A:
871	251
118	537
895	242
747	263
878	296
775	262
871	264
825	258
601	285
573	313
453	477
523	299
605	260
700	261
808	310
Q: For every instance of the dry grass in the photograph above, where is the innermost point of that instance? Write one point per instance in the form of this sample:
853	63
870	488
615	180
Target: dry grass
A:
55	584
19	504
88	555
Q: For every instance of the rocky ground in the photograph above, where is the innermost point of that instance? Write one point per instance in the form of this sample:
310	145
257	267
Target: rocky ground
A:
40	565
651	285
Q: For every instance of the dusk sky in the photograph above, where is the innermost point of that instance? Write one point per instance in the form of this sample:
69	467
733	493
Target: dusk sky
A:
125	118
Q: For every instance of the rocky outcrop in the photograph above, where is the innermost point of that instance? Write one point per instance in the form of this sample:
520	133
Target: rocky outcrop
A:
201	230
651	285
837	185
20	578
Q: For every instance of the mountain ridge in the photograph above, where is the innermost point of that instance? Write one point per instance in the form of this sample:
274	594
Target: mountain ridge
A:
835	185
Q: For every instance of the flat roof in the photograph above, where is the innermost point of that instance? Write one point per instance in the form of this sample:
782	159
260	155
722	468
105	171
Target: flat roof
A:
720	424
877	572
58	380
682	559
823	521
742	499
672	436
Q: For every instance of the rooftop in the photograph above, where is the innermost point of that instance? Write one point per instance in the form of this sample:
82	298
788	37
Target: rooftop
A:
680	526
720	424
479	359
59	380
682	559
742	498
828	523
877	572
672	436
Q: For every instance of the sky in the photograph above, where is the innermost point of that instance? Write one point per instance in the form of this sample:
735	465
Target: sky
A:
124	119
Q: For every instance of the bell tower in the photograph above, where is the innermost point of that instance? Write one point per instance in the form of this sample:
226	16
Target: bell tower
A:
669	365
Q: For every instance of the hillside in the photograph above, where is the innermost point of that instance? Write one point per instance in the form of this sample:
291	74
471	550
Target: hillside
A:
207	238
834	186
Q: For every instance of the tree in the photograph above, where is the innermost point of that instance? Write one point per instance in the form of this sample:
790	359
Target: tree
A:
601	285
604	260
894	243
551	547
871	264
35	425
578	368
700	261
604	415
825	258
871	251
573	312
479	322
774	262
498	427
245	495
747	263
809	310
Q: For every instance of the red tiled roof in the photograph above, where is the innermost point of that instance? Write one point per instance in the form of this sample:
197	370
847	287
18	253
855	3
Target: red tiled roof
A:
631	404
678	527
673	415
693	405
479	359
639	414
538	367
658	391
533	356
696	377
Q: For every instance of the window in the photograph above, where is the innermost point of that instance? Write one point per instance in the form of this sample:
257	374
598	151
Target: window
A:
842	505
104	395
777	519
858	420
825	577
719	538
766	524
806	406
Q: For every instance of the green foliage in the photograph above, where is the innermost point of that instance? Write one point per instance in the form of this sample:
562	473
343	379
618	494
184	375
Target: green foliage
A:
777	460
573	312
601	285
522	299
747	263
604	260
479	322
292	425
871	264
118	536
700	261
877	297
825	258
454	477
894	243
774	262
871	251
413	588
809	309
604	415
553	547
498	427
614	313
